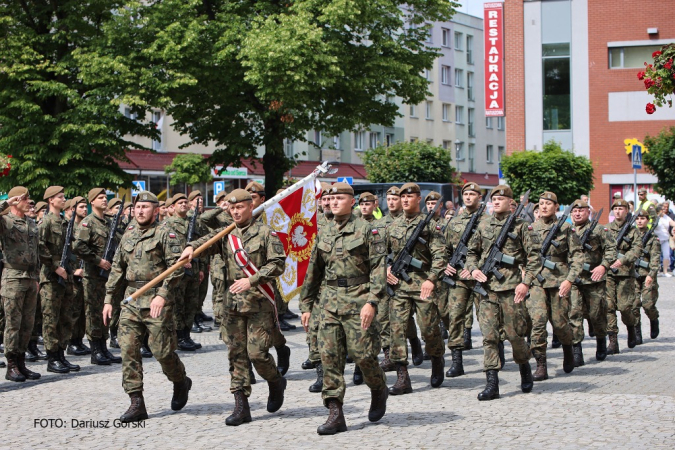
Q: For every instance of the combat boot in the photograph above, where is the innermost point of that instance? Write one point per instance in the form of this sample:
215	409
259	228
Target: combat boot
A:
29	374
568	358
378	403
457	367
283	358
502	356
13	372
200	324
307	364
34	353
403	384
613	348
349	359
638	334
113	338
467	339
2	343
601	349
417	353
437	375
136	411
180	394
203	317
491	390
276	397
65	362
578	355
77	348
182	343
241	413
195	328
555	342
526	381
654	324
632	338
189	340
285	326
145	347
289	315
358	375
541	373
2	364
336	419
591	331
97	356
386	364
54	363
318	384
106	352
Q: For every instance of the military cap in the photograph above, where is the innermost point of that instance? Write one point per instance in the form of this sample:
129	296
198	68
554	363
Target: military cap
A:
162	203
642	191
238	196
68	204
410	188
471	187
327	190
144	197
394	190
52	191
114	202
176	197
502	190
548	195
193	195
16	191
341	188
220	196
130	204
366	197
513	203
579	204
255	188
433	195
324	188
77	200
95	193
620	202
649	212
39	206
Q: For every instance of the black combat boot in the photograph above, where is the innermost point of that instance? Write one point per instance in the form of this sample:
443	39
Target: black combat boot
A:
613	348
97	356
491	390
65	362
601	349
145	347
180	394
77	348
591	331
189	340
136	411
285	326
502	356
13	372
35	353
358	375
467	339
654	324
113	338
437	375
378	403
526	381
307	364
336	420
290	315
195	328
349	359
555	342
54	363
403	384
26	372
106	352
318	384
386	364
632	338
241	413
182	343
2	364
568	358
638	333
2	343
417	353
578	355
541	373
205	328
283	358
276	397
457	367
203	317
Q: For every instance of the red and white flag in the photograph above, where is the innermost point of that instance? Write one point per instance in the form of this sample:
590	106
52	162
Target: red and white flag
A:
294	221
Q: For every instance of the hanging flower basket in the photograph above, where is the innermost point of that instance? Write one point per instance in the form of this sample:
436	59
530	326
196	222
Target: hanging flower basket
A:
5	164
659	78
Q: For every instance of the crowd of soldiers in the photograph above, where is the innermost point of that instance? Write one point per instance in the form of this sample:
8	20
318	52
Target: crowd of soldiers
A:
367	283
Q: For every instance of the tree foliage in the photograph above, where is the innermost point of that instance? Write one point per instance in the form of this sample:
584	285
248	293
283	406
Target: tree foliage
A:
409	161
660	160
189	168
553	169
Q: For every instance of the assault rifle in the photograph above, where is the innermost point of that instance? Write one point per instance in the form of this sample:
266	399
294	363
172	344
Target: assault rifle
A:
111	245
621	237
65	253
401	264
191	232
495	256
641	262
585	238
459	253
550	241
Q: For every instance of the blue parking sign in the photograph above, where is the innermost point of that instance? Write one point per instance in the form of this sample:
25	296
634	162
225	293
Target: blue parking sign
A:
348	180
139	185
637	157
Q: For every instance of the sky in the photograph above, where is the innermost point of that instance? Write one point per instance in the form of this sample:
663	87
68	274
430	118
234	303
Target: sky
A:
473	7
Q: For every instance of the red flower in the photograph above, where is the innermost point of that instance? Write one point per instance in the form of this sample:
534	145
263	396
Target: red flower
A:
650	108
641	75
668	65
649	83
655	54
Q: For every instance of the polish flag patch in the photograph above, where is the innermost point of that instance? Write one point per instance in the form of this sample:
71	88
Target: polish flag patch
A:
375	232
274	233
172	235
84	224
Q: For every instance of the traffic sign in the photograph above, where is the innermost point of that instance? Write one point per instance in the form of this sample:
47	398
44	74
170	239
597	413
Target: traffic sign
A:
348	180
139	185
637	156
218	187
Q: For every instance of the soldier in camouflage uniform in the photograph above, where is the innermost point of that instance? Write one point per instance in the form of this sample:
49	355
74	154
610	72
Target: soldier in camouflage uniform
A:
249	313
417	295
549	296
113	207
646	284
588	293
198	316
438	222
217	264
503	308
620	279
77	312
350	255
367	204
145	251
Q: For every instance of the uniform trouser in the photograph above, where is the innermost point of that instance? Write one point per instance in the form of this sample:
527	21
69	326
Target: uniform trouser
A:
385	323
588	300
117	308
313	334
203	290
278	338
459	301
620	297
187	301
498	311
340	335
218	297
249	337
57	319
37	321
646	297
401	306
468	315
282	307
77	312
94	294
19	299
134	325
545	305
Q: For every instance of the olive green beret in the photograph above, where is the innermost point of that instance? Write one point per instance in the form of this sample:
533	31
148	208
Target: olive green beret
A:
579	204
77	200
162	203
471	187
255	188
52	191
620	202
39	206
394	190
193	195
433	195
114	202
366	197
548	195
502	190
145	197
642	191
238	196
324	188
220	196
410	188
95	193
341	188
16	191
647	212
68	204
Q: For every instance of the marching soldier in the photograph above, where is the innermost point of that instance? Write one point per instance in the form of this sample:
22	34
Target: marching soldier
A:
430	202
254	257
113	207
162	214
350	255
199	317
326	213
646	284
78	313
367	205
145	251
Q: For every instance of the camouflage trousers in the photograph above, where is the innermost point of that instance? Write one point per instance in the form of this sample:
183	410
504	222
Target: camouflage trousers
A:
278	338
37	322
401	306
545	305
94	294
340	335
460	300
187	301
134	325
646	298
77	312
588	300
468	315
19	300
203	290
218	297
620	297
249	337
57	320
385	323
313	334
117	307
498	312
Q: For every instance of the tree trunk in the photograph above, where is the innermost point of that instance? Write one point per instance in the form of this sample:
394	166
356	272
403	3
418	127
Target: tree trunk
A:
275	162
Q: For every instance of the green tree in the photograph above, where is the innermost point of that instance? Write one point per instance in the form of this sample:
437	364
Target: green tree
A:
553	169
660	160
58	128
409	161
250	74
189	168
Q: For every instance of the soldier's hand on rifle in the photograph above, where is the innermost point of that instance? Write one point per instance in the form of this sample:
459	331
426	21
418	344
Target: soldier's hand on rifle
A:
616	264
367	315
478	276
648	281
304	320
241	285
598	273
107	313
15	200
156	306
427	288
60	271
187	254
188	266
521	292
390	278
449	270
105	265
465	273
565	287
201	276
78	272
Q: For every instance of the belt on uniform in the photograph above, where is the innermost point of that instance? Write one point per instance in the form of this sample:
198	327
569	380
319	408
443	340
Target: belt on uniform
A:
25	267
347	282
137	284
556	259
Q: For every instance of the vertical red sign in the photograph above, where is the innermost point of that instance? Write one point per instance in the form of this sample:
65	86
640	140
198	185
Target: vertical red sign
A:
494	58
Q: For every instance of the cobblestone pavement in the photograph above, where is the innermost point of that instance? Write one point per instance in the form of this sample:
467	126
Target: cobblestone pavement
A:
626	401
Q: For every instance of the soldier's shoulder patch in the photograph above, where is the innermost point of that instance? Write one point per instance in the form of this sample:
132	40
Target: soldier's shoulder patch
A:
438	227
529	227
171	235
84	224
574	230
375	232
130	227
606	229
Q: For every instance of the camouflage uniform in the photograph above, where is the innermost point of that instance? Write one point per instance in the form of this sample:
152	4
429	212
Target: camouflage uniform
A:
646	296
621	285
143	254
216	219
77	308
202	287
350	256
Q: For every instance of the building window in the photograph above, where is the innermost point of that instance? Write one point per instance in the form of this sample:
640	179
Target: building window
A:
129	115
359	140
430	141
489	154
159	122
427	75
446	112
501	152
459	114
413	110
446	37
472	150
557	88
472	131
445	75
459	151
374	140
469	49
336	142
317	138
631	57
459	41
389	139
429	30
288	147
459	74
430	111
500	122
488	122
413	139
447	145
469	86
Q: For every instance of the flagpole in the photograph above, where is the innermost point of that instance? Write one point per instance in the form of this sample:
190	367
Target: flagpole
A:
324	168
